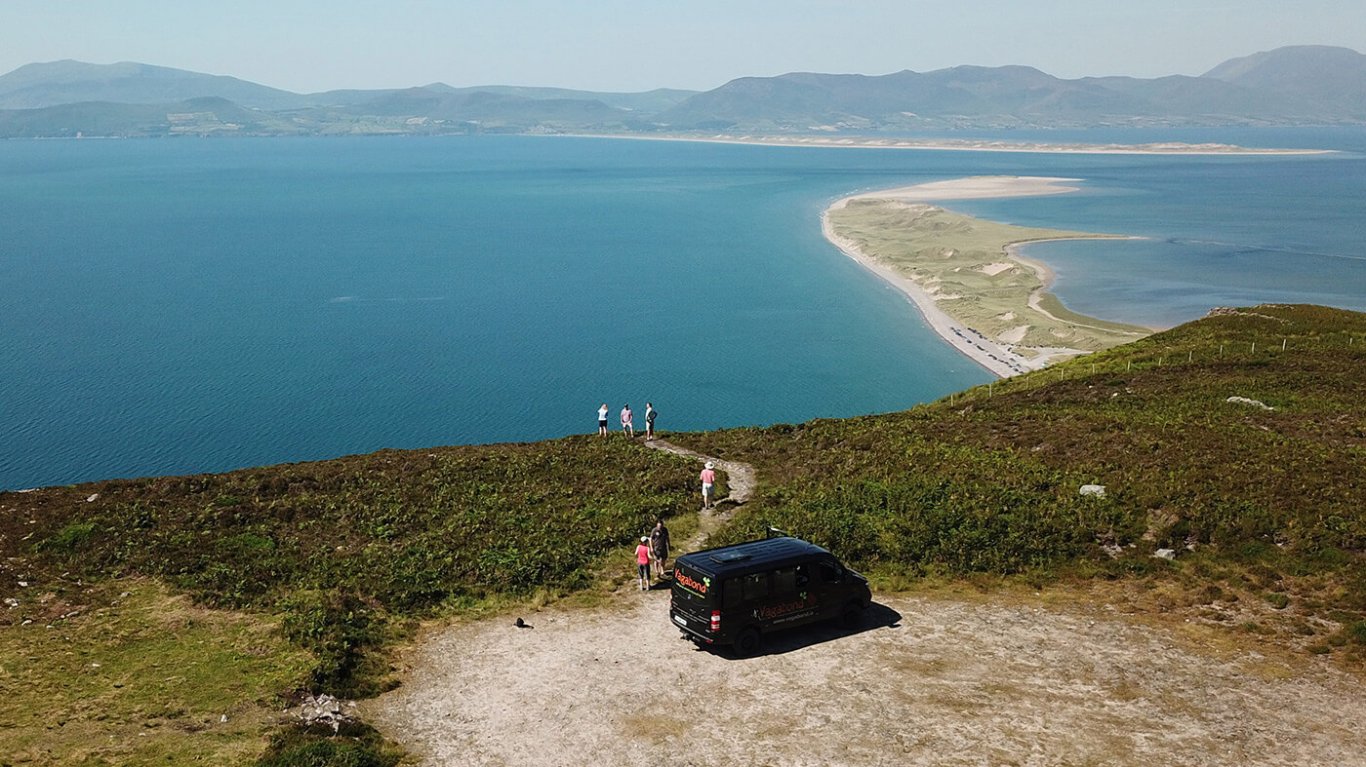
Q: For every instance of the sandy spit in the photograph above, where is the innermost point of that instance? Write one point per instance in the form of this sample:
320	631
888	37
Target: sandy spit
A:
949	145
975	345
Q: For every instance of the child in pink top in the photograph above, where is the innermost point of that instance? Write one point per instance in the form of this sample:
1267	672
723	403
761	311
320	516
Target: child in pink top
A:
643	562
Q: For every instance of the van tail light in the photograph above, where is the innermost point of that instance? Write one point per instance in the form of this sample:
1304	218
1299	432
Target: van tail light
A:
715	621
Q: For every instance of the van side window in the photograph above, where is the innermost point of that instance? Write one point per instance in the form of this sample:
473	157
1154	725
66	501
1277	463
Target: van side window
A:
785	581
755	586
803	573
731	593
831	572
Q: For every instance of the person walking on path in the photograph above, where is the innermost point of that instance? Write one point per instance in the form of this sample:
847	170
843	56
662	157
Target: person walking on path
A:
602	420
643	562
650	414
626	416
659	545
708	477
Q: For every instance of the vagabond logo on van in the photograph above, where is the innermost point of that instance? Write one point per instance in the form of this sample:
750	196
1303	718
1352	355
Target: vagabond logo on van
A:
691	584
768	612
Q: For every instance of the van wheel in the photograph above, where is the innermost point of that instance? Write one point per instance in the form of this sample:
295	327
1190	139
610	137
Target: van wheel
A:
747	643
851	617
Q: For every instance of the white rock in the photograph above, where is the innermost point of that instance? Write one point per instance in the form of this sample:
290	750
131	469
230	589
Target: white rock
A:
1165	553
92	497
1249	402
1096	490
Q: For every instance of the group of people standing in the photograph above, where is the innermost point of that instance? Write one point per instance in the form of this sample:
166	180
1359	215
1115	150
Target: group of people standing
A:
652	548
628	420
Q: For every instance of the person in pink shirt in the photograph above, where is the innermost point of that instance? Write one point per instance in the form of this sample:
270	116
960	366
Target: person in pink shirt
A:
708	477
643	562
626	417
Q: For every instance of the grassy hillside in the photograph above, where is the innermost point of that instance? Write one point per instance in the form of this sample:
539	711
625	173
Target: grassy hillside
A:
1266	504
140	613
329	558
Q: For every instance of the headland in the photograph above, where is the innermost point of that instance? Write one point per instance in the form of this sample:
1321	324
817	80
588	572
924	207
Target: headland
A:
966	275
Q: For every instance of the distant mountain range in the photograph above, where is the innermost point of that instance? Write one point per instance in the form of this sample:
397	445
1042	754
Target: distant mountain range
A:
1298	85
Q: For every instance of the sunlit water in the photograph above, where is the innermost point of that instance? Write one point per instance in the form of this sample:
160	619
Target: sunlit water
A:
191	305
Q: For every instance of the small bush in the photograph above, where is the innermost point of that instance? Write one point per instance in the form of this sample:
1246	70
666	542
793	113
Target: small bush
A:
68	539
354	746
338	628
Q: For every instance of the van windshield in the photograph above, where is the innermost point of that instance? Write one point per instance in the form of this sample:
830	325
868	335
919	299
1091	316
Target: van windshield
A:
693	587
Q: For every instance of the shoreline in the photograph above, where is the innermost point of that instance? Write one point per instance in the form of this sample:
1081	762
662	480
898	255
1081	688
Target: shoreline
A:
995	356
966	145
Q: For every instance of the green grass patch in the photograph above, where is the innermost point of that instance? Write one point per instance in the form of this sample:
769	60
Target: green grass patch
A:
145	679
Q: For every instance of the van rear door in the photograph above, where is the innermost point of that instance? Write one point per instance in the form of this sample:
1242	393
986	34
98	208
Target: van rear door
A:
692	600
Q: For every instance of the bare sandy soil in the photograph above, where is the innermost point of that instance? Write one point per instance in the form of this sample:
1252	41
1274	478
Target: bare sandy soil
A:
928	681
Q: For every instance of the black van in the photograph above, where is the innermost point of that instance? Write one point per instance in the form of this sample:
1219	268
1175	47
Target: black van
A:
734	595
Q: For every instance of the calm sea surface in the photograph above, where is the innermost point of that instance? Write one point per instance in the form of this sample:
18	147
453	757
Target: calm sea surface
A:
190	305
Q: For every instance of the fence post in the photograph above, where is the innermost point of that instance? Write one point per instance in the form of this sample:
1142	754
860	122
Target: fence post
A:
1254	347
1283	344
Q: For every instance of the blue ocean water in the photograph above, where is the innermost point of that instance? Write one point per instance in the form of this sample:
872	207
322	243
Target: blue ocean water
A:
198	305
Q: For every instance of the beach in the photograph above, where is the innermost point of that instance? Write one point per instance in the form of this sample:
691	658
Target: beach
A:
1001	351
960	145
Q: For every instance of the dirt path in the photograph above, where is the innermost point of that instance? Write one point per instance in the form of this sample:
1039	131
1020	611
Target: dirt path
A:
740	478
934	681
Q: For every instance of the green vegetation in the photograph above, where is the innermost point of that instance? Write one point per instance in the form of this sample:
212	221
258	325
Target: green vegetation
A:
354	745
962	262
302	576
987	481
139	676
339	554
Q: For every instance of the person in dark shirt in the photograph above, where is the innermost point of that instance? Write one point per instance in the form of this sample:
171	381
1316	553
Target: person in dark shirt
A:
659	545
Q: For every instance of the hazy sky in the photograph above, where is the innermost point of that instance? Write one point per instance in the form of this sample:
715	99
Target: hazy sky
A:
313	45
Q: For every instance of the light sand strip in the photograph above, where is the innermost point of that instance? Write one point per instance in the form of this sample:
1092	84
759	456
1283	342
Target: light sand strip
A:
995	357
